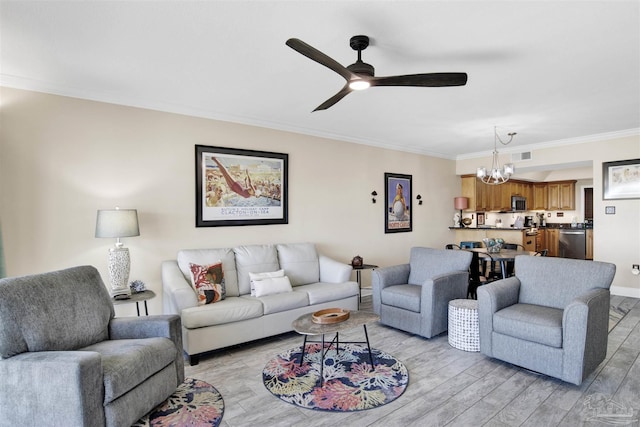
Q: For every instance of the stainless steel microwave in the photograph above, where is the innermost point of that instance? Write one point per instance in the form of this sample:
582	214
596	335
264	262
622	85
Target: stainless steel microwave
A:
518	203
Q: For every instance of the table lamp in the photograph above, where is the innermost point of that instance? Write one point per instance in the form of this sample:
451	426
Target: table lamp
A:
118	223
461	203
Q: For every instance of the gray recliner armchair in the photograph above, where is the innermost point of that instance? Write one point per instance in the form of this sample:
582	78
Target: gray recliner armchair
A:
415	297
67	361
552	317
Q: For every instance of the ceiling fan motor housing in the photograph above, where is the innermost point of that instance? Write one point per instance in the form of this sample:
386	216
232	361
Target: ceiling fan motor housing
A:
360	43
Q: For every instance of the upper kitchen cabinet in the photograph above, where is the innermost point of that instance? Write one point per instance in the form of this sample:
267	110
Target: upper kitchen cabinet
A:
540	199
486	197
561	195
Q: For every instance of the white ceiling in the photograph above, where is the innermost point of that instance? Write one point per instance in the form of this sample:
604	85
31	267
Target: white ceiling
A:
553	71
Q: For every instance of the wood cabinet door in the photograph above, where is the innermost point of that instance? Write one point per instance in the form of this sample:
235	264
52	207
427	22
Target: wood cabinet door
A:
540	196
552	238
469	191
567	196
589	235
553	203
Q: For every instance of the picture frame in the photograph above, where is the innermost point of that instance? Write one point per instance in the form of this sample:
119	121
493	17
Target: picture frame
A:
621	180
480	218
398	211
237	187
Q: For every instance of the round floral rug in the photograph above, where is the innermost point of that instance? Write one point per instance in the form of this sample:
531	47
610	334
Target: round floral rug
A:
194	403
350	384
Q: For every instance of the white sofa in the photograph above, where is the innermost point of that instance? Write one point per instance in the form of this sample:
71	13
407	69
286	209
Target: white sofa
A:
317	282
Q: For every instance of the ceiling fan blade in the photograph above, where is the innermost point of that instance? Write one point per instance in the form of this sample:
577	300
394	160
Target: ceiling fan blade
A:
315	55
422	80
346	90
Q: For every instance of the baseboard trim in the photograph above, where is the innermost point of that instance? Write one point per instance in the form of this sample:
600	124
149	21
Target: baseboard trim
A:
625	292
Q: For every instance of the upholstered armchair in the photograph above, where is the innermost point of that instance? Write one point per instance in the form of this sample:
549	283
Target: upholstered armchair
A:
552	317
415	297
67	361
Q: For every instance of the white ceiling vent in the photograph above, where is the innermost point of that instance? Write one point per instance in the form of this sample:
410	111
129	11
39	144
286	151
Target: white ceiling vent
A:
518	157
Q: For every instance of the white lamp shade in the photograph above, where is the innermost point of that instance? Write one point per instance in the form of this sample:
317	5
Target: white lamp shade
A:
117	223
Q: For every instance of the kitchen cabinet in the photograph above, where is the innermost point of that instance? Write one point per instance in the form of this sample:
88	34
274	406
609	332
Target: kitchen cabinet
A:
540	199
552	239
561	195
541	242
486	197
589	236
529	242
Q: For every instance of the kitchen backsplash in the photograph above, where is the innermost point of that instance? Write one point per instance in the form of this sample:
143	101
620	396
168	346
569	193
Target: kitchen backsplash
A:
508	219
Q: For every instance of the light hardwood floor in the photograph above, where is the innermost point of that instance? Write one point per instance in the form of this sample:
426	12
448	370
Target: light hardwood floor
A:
446	386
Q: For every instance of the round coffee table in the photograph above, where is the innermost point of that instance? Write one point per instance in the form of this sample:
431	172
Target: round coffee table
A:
304	325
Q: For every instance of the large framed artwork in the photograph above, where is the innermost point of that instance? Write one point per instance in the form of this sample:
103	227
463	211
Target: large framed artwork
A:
621	179
398	208
240	187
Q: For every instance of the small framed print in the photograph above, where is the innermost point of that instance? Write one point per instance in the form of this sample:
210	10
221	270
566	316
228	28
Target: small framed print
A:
398	210
610	210
621	180
480	218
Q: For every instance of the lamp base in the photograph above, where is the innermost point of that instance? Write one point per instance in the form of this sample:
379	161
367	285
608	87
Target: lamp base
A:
119	264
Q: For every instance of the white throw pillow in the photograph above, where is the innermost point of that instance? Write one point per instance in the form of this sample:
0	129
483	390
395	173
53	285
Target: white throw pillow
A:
261	276
273	285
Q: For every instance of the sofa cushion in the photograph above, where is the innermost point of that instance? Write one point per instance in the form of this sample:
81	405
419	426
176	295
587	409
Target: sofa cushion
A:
300	262
282	302
128	363
533	323
210	256
232	309
272	286
259	276
325	292
254	259
208	281
406	297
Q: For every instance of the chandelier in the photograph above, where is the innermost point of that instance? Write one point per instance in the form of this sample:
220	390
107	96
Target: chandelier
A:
497	175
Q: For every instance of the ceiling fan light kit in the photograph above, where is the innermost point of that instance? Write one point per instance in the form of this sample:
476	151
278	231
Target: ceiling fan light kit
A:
360	75
497	174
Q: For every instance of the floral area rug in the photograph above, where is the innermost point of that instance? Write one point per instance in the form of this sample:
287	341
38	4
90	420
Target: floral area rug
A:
350	383
194	403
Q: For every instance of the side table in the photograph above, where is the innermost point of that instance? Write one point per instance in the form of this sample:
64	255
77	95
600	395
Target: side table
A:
136	297
358	271
464	331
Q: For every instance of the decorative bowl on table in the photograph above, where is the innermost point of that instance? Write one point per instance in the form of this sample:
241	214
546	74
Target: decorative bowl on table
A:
330	315
493	246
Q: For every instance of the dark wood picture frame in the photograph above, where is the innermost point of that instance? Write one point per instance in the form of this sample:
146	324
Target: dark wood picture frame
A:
240	187
621	180
398	210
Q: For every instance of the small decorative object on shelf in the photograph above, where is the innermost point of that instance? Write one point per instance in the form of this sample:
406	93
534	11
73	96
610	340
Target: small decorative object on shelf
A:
137	286
356	261
330	315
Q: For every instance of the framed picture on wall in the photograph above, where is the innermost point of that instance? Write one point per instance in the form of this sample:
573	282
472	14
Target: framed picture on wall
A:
240	187
480	218
398	209
621	179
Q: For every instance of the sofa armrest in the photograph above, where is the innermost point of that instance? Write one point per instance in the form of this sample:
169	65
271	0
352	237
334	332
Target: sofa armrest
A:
177	292
332	271
491	298
585	330
435	296
387	276
61	388
166	326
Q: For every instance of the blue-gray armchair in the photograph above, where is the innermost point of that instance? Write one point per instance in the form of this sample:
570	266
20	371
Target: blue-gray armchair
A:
67	361
552	317
415	297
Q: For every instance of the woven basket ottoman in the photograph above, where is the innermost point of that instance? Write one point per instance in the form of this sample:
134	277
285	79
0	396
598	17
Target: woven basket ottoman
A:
463	324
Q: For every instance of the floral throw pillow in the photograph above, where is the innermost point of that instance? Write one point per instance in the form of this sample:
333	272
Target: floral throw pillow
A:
208	281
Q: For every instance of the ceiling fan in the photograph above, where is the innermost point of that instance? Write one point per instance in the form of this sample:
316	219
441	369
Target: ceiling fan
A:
360	75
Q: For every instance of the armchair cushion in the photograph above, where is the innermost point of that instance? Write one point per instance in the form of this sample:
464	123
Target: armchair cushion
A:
402	296
531	323
127	363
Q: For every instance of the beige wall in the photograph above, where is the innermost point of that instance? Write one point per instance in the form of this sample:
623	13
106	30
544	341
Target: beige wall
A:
62	159
616	237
